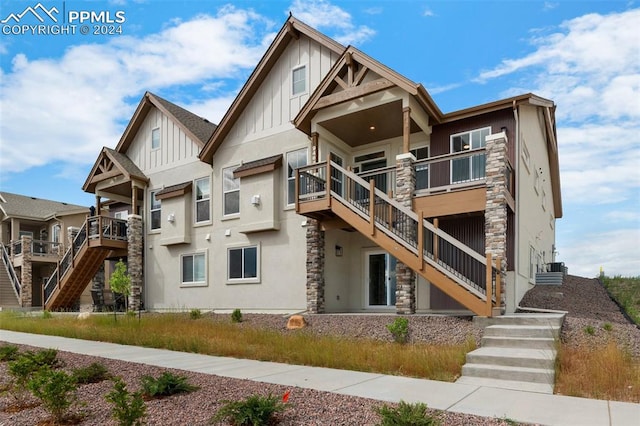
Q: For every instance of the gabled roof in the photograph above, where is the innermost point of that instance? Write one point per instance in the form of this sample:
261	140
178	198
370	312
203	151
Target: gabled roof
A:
389	78
292	29
110	164
25	207
197	128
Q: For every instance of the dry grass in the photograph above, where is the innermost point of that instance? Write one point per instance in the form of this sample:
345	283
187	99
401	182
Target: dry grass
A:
178	332
607	372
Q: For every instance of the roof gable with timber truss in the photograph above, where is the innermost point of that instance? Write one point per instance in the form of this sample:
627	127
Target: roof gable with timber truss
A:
361	100
292	29
113	169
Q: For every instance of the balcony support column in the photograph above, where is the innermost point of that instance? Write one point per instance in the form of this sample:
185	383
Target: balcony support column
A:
315	149
495	214
26	273
405	277
315	267
134	260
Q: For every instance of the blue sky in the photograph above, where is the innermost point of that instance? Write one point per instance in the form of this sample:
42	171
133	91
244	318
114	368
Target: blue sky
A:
63	97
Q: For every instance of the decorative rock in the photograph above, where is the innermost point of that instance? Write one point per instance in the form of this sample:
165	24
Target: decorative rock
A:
296	322
84	315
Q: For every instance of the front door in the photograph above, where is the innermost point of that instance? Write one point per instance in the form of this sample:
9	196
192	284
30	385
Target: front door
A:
380	279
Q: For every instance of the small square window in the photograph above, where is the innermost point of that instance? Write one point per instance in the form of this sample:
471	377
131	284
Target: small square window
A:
243	264
194	268
155	138
295	159
299	80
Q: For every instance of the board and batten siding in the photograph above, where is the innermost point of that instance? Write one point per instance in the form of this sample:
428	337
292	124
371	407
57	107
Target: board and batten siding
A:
273	107
176	148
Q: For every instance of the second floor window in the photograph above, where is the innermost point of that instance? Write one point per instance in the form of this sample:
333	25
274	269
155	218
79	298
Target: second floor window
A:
422	170
468	168
203	200
299	80
155	138
295	159
155	213
231	192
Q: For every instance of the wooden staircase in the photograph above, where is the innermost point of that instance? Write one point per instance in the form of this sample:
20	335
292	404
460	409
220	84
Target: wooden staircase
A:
467	276
93	244
9	282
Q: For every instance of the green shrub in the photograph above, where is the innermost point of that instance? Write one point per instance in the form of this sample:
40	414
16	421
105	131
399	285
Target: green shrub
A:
165	385
46	314
56	389
590	330
128	409
406	414
607	326
195	314
93	373
8	353
255	410
399	329
44	357
236	316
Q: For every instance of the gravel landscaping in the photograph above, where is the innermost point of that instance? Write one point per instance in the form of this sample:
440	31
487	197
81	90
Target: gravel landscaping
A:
585	300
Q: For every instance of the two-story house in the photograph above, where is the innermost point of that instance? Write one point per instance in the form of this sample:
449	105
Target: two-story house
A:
34	234
332	184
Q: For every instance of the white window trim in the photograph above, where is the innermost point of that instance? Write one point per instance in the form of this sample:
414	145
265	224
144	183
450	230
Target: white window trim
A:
255	280
159	138
288	205
196	201
150	201
53	232
306	80
206	274
230	215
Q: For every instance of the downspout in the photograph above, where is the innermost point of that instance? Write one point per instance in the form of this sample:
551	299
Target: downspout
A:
516	220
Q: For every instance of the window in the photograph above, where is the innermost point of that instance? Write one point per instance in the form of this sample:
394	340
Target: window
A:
468	168
121	215
55	233
295	159
155	211
194	268
230	191
203	200
299	80
243	263
422	170
155	138
336	175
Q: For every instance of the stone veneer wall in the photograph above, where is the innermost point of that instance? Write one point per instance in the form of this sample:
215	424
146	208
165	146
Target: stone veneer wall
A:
134	260
26	273
315	267
495	214
405	277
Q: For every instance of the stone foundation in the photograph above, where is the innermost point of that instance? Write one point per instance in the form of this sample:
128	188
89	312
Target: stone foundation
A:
405	277
134	260
26	274
315	267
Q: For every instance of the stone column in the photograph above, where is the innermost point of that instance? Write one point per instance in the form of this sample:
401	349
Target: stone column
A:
134	260
315	267
495	213
26	273
405	277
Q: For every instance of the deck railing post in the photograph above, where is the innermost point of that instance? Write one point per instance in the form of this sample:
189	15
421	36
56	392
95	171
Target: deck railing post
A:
489	285
297	189
327	181
421	239
372	207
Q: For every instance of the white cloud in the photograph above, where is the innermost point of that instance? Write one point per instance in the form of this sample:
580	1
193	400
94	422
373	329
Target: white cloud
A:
428	13
65	109
324	16
616	251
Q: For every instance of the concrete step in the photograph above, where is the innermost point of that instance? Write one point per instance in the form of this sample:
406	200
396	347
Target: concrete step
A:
507	384
521	319
533	358
519	342
504	372
522	331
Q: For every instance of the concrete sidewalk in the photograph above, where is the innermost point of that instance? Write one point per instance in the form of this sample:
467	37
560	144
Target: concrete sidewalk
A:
520	406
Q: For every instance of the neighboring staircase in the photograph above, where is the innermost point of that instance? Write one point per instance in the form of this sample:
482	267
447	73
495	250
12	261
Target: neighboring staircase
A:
8	297
517	352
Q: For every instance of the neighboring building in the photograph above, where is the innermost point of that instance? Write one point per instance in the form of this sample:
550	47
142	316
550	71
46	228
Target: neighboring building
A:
332	184
34	234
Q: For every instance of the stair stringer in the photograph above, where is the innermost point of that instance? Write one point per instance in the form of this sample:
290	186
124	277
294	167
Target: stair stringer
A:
85	266
411	259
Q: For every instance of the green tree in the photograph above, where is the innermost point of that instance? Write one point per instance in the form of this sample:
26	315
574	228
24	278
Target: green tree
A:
120	282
